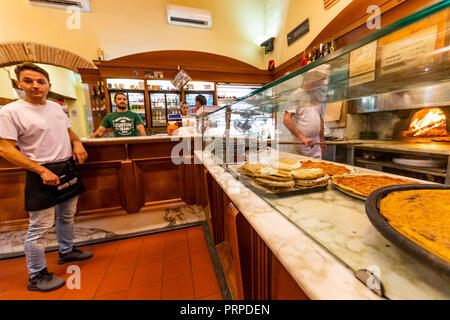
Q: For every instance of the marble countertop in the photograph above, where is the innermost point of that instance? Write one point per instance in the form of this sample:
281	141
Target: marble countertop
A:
139	139
322	238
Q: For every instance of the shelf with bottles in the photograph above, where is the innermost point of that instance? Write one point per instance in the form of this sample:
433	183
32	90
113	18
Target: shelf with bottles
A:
317	52
125	84
159	114
97	98
137	108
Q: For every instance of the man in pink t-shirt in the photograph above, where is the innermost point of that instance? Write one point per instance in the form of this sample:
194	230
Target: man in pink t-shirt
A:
48	148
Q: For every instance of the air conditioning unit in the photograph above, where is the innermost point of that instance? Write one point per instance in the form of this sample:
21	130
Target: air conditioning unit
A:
186	16
83	5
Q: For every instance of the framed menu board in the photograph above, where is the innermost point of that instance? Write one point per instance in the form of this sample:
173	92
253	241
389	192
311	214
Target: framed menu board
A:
414	47
409	52
362	64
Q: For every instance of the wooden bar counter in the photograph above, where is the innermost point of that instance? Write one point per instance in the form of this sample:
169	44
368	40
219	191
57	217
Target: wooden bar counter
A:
121	176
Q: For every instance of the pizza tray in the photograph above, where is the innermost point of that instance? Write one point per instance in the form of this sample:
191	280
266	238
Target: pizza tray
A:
259	189
390	233
354	195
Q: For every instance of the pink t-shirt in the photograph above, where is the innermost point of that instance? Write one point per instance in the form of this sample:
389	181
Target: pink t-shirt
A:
40	130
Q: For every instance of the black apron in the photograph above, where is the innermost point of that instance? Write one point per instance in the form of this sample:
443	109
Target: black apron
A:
39	196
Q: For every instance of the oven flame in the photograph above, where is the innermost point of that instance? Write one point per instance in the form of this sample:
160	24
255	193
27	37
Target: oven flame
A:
428	122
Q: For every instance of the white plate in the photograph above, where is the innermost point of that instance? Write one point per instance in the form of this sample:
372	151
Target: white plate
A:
426	163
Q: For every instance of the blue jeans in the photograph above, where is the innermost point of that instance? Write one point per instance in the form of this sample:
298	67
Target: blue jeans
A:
40	222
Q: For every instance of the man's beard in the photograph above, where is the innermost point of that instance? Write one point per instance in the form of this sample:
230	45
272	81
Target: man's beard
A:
122	107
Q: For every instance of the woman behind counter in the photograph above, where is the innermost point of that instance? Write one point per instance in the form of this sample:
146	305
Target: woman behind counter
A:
125	123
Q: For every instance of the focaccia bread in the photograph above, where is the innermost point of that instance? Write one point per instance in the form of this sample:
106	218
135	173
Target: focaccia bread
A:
307	174
250	168
286	164
272	174
275	185
329	168
322	181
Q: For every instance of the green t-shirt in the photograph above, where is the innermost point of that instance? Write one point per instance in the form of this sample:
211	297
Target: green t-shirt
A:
123	123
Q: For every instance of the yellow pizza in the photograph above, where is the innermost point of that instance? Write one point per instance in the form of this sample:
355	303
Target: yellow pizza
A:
365	184
329	168
423	216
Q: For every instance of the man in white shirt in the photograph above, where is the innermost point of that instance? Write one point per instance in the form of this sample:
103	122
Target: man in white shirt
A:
305	120
48	148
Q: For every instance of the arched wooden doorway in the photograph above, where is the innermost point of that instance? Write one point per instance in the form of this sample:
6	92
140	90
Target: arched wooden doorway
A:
17	52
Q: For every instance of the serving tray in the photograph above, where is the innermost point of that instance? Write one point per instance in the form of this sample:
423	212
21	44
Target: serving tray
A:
390	233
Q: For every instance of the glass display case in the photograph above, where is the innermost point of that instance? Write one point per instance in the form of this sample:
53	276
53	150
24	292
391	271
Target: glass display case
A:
402	66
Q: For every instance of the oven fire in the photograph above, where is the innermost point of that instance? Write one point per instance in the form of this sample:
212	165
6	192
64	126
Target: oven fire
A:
428	122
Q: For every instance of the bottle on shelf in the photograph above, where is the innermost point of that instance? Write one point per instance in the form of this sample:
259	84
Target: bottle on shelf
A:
326	50
309	58
332	46
304	60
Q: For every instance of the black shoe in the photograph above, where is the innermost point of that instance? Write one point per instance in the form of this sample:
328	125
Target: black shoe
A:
74	255
45	281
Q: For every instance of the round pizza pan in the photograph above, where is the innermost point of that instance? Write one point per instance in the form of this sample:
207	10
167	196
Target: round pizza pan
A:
383	226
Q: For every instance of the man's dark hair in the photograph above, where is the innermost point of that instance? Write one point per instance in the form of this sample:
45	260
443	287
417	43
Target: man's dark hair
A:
30	66
122	93
201	99
184	102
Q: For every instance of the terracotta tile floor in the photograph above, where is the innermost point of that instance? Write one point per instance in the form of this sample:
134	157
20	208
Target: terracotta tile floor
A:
173	265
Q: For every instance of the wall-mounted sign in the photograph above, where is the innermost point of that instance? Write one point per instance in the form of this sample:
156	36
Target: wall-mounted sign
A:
180	80
298	32
327	4
409	51
362	60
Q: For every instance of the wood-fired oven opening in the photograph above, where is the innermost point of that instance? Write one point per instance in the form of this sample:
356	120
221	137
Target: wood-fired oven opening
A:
427	122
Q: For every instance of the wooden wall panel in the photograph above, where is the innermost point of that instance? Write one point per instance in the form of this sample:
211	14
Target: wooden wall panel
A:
217	208
150	150
105	153
103	190
160	180
283	286
12	201
231	237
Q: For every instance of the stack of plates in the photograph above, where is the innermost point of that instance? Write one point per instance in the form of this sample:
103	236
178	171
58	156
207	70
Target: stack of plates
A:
425	163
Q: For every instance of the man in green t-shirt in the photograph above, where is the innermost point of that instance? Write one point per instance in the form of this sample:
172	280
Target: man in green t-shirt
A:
125	123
